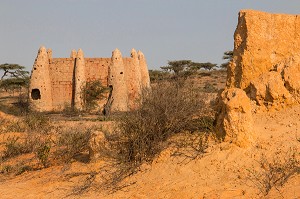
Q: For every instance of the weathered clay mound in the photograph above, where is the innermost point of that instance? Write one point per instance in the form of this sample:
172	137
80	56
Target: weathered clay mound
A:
266	61
265	67
261	41
234	122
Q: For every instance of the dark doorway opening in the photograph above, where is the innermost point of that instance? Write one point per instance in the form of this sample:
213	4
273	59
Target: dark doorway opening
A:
35	94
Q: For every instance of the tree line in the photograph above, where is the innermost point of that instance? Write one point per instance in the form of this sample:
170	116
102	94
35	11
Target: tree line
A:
186	68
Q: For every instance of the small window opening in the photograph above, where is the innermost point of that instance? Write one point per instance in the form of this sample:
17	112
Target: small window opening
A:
35	94
121	73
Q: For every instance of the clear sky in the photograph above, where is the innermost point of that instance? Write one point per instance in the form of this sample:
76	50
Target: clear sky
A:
200	30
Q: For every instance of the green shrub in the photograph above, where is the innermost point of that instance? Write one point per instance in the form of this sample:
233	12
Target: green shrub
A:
5	169
93	91
43	152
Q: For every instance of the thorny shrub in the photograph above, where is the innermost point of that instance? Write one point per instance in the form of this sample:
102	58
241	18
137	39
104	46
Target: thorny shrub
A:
72	142
15	145
37	122
17	169
167	109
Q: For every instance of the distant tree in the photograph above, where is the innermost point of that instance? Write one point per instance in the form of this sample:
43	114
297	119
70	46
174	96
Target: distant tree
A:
178	67
207	65
13	71
227	56
182	68
156	75
14	76
185	68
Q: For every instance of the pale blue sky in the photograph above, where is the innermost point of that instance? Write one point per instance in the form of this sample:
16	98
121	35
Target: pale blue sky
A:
200	30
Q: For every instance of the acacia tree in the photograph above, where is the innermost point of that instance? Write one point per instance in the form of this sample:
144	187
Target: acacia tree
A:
13	71
14	76
227	56
207	65
178	67
185	68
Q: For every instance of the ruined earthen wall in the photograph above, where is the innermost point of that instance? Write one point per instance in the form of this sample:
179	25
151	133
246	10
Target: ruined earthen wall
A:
117	81
262	40
61	75
59	82
128	61
131	80
145	78
79	80
97	69
40	95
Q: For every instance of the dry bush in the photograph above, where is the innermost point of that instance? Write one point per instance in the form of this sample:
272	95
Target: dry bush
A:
20	168
15	105
22	104
10	126
16	126
210	88
70	111
71	143
32	142
17	169
85	184
36	126
31	122
37	122
274	172
191	145
167	109
14	146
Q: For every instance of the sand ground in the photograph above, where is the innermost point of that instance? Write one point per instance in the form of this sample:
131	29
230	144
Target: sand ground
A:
223	172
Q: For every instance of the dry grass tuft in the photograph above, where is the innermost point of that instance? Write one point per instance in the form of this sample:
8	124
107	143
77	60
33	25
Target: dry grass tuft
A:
275	171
